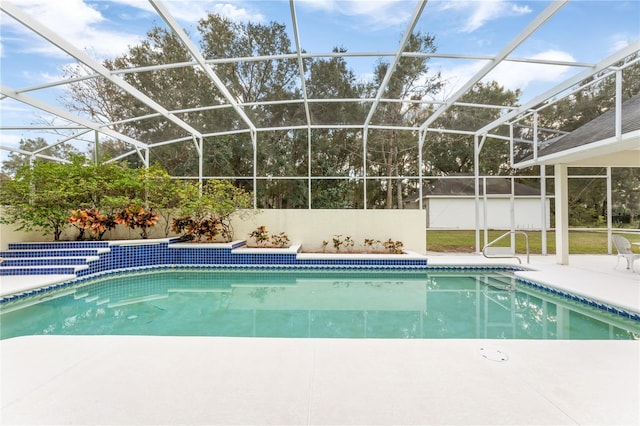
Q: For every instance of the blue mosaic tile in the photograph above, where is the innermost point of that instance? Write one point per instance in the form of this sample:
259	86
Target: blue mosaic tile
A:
25	270
54	245
6	254
583	300
43	261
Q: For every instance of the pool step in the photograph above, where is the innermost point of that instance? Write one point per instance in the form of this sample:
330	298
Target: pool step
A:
53	245
30	253
502	281
41	270
51	258
48	261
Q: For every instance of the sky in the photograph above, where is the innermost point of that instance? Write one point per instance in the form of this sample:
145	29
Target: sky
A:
583	31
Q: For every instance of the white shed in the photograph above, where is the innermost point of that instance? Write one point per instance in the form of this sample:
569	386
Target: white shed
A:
450	204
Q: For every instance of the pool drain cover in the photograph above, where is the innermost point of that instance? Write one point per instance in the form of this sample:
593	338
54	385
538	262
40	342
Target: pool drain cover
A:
493	354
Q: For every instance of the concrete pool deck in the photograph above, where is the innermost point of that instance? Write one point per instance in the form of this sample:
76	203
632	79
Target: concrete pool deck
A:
196	380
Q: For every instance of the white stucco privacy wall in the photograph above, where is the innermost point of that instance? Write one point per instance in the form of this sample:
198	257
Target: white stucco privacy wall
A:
311	227
8	234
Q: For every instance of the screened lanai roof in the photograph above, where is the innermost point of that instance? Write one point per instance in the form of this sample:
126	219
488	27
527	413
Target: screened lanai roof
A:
530	34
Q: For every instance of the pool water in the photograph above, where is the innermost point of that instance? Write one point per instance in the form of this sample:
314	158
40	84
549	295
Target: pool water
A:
315	304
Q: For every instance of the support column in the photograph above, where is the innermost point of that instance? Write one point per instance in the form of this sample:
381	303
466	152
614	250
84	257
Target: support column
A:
254	143
420	147
96	159
561	181
200	145
476	184
309	168
609	212
365	133
544	211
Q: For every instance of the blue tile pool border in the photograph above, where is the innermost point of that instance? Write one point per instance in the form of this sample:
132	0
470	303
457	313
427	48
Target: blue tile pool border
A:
635	316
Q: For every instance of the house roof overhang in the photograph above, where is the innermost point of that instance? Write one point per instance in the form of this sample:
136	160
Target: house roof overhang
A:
613	151
611	139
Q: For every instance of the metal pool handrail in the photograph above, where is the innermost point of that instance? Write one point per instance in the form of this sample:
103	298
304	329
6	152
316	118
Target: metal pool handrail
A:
504	256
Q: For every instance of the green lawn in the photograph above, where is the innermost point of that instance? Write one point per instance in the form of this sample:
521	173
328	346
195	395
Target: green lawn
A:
580	242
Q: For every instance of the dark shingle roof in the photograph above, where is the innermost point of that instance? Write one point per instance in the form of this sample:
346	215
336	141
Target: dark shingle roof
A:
466	187
598	129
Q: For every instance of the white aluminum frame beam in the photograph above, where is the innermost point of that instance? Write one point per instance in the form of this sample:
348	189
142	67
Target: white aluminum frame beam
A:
392	67
307	55
53	38
303	86
29	153
195	53
533	26
40	127
67	139
36	103
56	83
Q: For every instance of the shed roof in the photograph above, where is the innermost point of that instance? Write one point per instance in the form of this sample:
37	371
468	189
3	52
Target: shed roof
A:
465	187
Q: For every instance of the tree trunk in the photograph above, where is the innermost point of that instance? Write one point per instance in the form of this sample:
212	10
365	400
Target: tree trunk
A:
391	167
389	204
399	193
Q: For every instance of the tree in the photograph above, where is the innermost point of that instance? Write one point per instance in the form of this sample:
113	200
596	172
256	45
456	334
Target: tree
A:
40	197
188	89
16	160
249	80
280	153
626	196
451	154
104	102
165	195
389	151
173	88
209	215
49	195
335	152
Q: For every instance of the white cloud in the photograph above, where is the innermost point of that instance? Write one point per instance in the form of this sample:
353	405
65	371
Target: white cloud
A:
76	22
62	16
456	76
11	106
9	139
376	12
481	12
519	75
193	10
510	75
86	27
619	41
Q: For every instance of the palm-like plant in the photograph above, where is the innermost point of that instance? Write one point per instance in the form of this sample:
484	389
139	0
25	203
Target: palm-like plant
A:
137	217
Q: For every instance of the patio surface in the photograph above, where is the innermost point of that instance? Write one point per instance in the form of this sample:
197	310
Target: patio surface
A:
196	380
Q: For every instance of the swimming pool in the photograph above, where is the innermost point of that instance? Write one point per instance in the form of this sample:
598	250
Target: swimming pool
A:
311	304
